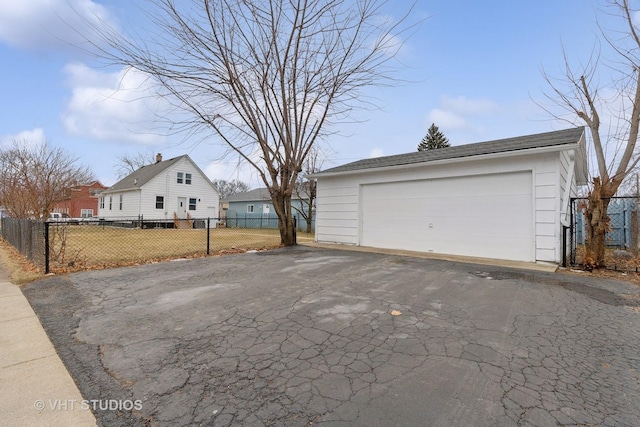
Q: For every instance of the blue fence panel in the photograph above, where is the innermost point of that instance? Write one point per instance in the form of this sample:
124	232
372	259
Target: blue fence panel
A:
620	214
257	220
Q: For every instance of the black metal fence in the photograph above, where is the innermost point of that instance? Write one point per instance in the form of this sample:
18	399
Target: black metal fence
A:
622	241
27	236
74	245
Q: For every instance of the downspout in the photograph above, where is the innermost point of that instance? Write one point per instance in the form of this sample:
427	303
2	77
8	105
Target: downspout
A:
566	197
566	201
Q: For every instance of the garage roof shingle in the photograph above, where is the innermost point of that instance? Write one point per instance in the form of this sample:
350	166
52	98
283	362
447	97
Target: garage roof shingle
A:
548	139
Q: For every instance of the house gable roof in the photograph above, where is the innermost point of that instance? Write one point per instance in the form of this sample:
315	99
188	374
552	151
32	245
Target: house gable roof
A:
250	196
542	140
140	177
257	195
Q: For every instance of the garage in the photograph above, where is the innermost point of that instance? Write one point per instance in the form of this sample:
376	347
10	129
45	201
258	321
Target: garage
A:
505	199
485	214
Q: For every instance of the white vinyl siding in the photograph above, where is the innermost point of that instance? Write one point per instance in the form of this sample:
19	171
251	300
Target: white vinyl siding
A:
341	198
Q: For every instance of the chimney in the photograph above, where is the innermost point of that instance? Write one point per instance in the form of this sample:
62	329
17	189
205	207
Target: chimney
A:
158	158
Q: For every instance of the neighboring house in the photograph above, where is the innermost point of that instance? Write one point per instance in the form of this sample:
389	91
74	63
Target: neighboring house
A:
254	209
80	201
162	191
505	199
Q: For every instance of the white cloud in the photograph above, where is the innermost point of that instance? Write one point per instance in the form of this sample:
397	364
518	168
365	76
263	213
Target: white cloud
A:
467	106
120	106
446	119
51	24
34	137
375	152
458	113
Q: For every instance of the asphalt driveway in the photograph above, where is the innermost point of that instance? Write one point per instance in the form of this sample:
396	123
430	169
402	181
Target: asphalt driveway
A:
325	337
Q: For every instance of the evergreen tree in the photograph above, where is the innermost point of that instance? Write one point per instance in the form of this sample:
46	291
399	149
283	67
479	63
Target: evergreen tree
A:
433	139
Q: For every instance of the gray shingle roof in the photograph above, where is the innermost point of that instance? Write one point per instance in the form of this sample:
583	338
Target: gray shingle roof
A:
250	196
143	175
548	139
256	195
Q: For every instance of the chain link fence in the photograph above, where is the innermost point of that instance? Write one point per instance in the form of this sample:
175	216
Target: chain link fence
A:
622	239
91	244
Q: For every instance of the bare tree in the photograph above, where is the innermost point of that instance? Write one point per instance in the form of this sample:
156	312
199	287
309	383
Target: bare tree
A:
582	97
129	163
229	188
34	177
269	77
306	189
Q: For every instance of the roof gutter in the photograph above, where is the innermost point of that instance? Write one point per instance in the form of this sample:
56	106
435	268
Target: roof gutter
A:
121	190
528	151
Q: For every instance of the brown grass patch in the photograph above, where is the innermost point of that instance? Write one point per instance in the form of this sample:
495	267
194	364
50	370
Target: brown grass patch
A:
611	261
20	270
625	269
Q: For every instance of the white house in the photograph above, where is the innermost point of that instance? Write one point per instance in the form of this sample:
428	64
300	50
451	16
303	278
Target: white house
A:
163	190
505	199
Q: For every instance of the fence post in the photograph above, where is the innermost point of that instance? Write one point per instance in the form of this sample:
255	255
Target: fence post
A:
564	246
46	247
208	234
634	232
572	229
295	235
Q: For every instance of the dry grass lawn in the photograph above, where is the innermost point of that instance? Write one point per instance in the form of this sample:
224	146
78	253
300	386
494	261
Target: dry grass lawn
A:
93	246
19	269
631	264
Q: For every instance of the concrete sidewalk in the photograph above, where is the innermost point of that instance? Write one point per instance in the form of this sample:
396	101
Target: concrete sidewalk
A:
35	387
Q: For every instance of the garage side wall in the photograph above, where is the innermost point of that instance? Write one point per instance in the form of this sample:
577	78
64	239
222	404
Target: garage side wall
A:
339	197
566	179
337	208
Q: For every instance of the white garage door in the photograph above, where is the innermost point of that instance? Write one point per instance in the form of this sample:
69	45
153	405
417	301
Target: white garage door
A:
483	216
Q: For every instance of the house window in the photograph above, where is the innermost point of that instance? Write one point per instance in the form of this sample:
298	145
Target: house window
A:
180	174
187	178
101	202
121	201
110	202
159	202
192	203
86	213
249	208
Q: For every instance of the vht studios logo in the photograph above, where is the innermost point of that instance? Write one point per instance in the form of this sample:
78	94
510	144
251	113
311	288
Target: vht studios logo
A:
94	404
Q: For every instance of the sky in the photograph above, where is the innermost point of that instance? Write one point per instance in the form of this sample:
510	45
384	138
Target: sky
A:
473	68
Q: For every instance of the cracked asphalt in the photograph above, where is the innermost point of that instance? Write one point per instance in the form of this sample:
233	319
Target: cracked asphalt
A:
309	336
